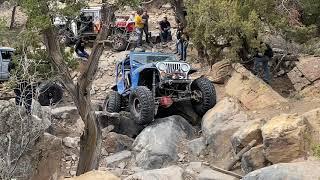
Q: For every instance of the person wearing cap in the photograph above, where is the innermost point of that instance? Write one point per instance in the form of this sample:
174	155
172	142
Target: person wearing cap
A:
164	29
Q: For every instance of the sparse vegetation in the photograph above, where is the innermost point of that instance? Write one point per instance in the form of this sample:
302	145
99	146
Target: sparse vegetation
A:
219	24
316	150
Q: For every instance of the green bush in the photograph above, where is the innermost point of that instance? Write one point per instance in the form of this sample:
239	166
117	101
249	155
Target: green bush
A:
316	150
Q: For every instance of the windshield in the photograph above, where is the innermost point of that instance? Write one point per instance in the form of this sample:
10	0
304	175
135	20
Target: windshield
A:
151	58
6	55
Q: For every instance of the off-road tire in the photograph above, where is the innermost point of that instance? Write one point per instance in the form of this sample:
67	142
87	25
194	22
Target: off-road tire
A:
119	43
208	92
113	102
145	114
50	94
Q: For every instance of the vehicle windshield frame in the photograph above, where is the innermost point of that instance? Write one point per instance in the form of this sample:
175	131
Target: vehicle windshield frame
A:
143	58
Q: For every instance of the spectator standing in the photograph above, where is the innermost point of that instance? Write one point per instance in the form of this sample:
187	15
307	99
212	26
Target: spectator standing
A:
80	49
179	34
261	58
145	17
184	41
165	29
139	24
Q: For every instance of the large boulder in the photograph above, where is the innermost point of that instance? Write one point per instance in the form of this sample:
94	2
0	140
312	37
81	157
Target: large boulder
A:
66	122
221	112
209	174
21	131
95	175
122	125
312	91
220	123
169	173
298	79
288	171
220	71
284	138
307	71
196	146
114	159
157	144
49	150
313	118
114	142
250	90
196	170
248	132
253	159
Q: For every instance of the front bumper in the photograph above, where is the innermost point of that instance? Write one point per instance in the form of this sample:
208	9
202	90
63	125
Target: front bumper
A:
175	81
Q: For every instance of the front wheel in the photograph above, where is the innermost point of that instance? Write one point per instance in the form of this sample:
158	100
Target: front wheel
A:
113	103
204	95
142	105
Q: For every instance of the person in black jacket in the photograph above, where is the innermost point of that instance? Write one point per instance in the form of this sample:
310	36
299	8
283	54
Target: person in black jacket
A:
179	34
145	17
261	58
165	29
80	49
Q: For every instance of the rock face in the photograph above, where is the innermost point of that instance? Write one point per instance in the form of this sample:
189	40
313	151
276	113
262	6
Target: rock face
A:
113	160
288	171
169	173
313	118
250	90
50	152
307	71
284	138
220	71
20	131
248	132
220	123
253	159
123	125
114	142
209	174
200	172
95	175
71	142
196	146
157	144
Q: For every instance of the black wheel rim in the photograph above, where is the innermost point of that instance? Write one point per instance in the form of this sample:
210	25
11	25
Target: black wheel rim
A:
118	43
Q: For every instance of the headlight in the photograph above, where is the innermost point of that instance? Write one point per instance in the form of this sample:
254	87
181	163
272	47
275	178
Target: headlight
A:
161	66
185	67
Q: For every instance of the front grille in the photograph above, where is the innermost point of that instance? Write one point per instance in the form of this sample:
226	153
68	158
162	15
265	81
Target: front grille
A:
173	67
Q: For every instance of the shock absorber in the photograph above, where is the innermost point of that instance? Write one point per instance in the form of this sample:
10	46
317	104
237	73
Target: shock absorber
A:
154	84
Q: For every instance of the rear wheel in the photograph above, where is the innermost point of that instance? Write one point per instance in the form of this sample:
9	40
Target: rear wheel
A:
50	94
204	95
142	105
113	103
119	43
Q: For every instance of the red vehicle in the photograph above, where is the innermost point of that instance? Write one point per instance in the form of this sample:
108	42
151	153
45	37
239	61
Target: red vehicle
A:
88	25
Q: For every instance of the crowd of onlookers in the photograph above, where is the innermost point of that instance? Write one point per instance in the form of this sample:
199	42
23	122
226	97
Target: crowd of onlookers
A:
141	20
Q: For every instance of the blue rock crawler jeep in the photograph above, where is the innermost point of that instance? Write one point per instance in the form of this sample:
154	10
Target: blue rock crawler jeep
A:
146	81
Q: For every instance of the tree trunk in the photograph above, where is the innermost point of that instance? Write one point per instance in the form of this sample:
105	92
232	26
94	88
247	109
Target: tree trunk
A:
179	11
13	15
90	142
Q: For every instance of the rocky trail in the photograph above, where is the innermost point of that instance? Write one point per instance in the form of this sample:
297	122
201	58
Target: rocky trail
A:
285	131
